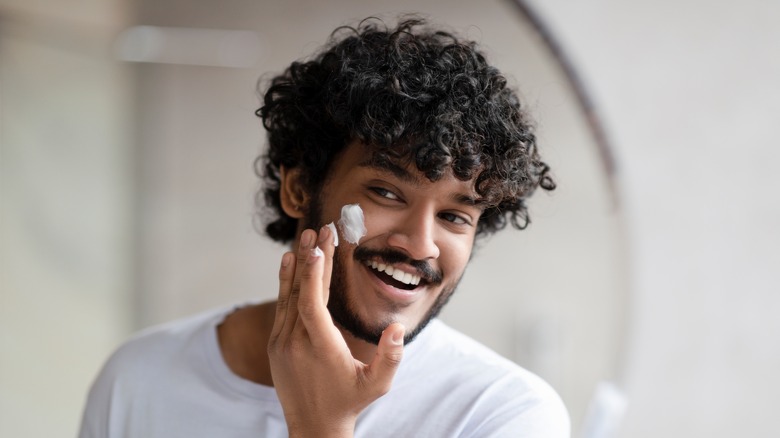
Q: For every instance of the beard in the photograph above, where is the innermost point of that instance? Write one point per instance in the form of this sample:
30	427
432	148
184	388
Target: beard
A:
342	309
340	304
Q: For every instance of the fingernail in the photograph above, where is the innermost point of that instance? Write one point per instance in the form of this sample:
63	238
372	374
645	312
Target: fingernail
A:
307	239
324	234
286	259
333	233
398	337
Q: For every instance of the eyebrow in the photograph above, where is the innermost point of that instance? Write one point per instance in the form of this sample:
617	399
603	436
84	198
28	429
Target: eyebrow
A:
393	168
407	177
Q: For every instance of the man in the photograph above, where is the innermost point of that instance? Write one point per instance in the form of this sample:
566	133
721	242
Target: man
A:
415	127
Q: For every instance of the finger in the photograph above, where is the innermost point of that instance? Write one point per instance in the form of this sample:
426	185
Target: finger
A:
307	243
311	308
388	356
286	275
325	242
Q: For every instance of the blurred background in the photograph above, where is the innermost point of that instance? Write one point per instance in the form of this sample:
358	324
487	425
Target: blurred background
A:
127	137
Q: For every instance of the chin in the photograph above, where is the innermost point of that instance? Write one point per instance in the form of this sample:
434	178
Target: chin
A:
369	327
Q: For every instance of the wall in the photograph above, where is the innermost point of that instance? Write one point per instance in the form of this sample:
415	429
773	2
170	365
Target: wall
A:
689	92
66	229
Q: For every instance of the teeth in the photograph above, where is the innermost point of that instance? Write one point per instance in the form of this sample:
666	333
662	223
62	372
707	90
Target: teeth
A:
403	277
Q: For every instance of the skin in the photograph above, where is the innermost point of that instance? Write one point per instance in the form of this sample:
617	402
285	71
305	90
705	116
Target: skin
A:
323	374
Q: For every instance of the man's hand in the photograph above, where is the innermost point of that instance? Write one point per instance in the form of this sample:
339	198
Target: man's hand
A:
322	388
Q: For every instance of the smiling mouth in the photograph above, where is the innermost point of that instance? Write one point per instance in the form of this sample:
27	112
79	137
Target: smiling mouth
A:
394	277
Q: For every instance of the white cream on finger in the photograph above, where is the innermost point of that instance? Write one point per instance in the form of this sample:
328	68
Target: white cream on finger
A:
334	233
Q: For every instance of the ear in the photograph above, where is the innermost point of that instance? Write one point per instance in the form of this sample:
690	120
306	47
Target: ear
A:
293	195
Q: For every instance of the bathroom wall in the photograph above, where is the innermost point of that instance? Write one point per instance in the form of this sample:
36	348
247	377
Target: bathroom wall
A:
689	92
126	200
66	203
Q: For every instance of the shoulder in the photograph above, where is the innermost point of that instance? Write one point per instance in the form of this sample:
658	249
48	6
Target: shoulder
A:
440	344
144	364
155	345
504	397
149	356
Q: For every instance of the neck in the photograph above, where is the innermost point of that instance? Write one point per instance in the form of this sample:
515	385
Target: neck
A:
243	337
361	350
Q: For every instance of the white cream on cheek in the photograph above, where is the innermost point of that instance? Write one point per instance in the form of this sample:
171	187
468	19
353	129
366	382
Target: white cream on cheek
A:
352	223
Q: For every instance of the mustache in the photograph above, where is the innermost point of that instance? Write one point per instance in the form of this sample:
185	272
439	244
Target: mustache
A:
390	256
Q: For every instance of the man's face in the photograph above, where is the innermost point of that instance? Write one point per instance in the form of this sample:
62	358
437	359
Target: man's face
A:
415	226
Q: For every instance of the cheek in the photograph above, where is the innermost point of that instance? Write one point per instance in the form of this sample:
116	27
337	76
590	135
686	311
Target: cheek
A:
457	257
377	222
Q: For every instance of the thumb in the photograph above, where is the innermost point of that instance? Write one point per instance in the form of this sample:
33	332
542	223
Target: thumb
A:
382	369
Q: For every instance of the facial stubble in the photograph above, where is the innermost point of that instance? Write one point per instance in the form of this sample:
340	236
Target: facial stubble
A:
341	305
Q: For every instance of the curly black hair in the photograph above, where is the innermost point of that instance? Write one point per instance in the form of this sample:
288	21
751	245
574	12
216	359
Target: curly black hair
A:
412	93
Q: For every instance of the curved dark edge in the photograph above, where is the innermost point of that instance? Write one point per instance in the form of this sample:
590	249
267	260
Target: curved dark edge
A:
604	146
584	100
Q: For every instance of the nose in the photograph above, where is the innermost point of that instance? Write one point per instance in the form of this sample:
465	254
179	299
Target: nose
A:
415	235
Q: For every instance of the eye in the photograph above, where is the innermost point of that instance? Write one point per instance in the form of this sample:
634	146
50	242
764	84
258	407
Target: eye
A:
385	193
454	218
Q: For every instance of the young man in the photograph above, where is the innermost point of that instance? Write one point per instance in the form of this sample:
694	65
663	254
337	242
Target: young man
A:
412	125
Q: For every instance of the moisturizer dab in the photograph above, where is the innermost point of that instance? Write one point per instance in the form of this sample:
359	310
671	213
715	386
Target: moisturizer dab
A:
334	233
351	223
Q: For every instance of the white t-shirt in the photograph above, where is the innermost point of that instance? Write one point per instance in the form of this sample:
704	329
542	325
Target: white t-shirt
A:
172	381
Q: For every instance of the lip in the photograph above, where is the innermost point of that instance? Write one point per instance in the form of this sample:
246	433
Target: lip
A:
393	294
